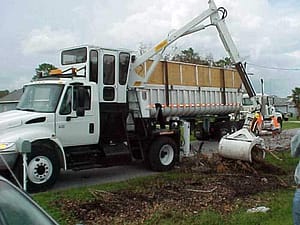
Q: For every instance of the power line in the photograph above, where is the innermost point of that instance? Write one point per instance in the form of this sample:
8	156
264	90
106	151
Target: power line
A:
273	68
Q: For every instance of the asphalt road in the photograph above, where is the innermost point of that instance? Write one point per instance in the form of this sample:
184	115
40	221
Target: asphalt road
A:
74	179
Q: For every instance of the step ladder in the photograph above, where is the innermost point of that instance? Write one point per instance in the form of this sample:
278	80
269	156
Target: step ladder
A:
134	136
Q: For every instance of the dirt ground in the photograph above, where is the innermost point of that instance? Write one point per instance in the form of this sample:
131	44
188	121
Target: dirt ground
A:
207	182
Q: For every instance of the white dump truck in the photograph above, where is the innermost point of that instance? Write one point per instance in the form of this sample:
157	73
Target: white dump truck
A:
107	107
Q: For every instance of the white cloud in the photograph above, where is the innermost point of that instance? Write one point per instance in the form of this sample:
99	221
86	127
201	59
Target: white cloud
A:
147	22
18	83
266	32
294	54
47	40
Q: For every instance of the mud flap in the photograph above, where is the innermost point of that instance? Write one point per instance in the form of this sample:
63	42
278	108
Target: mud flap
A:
242	145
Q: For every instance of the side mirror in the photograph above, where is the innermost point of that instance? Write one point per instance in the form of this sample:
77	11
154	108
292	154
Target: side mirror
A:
133	58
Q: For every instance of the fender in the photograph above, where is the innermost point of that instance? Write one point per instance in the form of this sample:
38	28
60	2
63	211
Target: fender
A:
38	134
60	150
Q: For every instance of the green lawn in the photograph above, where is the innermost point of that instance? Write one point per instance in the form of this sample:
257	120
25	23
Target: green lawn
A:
291	124
279	214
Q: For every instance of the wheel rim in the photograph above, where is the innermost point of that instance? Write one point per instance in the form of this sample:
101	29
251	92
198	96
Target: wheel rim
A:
39	169
166	155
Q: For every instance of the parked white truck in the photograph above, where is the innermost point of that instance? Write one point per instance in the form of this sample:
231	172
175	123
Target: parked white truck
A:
106	107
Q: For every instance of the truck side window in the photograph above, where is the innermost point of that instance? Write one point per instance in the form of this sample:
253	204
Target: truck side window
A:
66	104
123	67
87	98
108	69
94	66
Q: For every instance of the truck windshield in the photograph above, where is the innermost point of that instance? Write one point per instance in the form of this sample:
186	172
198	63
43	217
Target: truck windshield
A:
40	98
247	101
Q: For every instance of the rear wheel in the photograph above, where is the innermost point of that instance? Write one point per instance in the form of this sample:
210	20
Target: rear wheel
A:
200	134
163	154
225	128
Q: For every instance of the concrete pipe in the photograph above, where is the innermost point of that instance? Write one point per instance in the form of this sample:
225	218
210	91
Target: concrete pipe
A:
242	145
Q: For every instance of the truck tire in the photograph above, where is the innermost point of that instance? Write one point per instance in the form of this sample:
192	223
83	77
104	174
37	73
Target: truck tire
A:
201	135
42	168
225	128
162	154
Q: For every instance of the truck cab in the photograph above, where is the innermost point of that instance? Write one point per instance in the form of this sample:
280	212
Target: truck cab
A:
106	67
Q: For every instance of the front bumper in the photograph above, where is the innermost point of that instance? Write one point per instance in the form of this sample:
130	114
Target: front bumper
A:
10	157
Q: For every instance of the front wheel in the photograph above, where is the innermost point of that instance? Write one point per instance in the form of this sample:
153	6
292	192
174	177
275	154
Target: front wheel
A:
42	168
163	154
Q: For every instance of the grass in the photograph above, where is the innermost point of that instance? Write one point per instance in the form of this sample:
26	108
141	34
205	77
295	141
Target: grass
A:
291	124
279	202
47	199
279	214
287	163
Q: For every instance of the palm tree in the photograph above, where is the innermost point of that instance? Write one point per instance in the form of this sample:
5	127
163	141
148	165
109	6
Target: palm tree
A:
296	99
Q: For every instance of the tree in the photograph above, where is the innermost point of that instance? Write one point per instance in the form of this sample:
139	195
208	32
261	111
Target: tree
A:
43	68
296	99
190	56
224	62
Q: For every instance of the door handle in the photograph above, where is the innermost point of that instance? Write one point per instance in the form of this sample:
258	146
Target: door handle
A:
68	118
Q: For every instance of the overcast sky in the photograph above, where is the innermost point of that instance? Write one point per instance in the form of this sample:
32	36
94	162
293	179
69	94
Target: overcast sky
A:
266	33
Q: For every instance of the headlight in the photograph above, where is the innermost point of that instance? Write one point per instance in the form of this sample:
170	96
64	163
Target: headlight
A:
7	145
